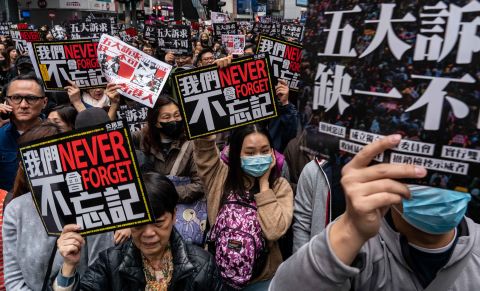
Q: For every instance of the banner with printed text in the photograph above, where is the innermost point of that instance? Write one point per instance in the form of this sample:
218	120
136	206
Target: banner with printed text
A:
291	31
5	28
22	37
150	34
89	177
220	29
56	62
215	100
234	44
175	38
142	77
408	67
218	17
135	115
285	58
90	28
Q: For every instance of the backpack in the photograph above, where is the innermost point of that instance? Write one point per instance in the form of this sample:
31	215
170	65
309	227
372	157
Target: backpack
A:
237	241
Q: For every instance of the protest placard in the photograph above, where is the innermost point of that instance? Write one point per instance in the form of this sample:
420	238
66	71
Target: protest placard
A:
56	62
135	115
245	26
150	34
218	17
128	34
285	58
90	178
142	77
386	68
234	44
215	100
90	28
23	36
291	31
175	38
261	28
220	29
5	28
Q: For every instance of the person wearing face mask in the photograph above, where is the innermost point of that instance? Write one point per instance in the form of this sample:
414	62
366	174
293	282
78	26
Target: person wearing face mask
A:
247	180
392	236
162	142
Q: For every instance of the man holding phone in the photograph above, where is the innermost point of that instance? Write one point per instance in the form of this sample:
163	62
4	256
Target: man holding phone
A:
23	101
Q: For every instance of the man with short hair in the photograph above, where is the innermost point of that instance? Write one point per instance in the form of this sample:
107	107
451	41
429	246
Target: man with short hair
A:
205	57
24	102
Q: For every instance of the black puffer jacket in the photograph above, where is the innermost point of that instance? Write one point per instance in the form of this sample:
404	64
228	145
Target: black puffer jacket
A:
120	268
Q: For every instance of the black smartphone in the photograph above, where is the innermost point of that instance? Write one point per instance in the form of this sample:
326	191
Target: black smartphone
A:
5	115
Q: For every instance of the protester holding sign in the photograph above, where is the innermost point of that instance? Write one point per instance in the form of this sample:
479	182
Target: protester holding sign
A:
418	233
29	252
157	258
165	147
247	180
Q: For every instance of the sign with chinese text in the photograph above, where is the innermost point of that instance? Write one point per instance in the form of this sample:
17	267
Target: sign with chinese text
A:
234	44
175	38
291	31
5	28
142	77
408	67
220	29
150	33
218	17
285	58
22	37
57	62
135	114
262	28
90	178
215	100
90	28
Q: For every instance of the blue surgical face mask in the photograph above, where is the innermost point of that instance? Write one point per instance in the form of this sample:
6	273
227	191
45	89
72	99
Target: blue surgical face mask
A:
256	166
434	210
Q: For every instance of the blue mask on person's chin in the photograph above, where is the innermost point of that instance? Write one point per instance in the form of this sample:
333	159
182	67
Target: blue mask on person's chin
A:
434	210
256	166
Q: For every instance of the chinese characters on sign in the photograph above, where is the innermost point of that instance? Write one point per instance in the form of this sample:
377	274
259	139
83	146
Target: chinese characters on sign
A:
90	178
408	68
57	62
134	114
142	76
220	29
292	31
5	28
90	28
215	100
285	58
175	38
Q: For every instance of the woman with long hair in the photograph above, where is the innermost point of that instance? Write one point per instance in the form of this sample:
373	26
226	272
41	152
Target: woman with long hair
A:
248	183
27	248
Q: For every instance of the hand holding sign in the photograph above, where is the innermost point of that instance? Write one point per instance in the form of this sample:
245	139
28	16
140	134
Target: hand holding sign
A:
69	245
282	91
112	92
223	62
74	95
369	193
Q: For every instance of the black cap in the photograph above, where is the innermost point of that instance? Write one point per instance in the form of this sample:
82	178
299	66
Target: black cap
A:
92	116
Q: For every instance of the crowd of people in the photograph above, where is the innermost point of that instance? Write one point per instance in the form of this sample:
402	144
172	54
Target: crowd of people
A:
278	217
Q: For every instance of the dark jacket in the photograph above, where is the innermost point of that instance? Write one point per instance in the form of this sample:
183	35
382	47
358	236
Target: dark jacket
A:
120	268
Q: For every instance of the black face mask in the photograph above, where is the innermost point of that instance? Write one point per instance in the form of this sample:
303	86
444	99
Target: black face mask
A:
3	63
204	42
172	129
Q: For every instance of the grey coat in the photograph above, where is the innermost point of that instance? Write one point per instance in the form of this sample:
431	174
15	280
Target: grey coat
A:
27	247
316	267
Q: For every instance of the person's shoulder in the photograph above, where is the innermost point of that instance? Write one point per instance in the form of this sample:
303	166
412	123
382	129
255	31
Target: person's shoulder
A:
197	254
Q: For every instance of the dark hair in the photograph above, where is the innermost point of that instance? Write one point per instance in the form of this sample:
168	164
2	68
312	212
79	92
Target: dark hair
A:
161	193
235	181
26	77
44	129
201	53
67	113
151	132
249	46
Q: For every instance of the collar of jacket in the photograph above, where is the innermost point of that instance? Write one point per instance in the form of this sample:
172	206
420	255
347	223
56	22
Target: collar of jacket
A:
132	268
158	153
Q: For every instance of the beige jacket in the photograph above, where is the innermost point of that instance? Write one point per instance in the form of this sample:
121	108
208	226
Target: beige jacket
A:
275	206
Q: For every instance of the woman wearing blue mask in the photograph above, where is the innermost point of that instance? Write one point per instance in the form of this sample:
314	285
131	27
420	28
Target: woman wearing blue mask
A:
391	236
249	206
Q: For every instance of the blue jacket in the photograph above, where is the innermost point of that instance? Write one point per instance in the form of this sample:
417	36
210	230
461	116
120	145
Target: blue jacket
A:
284	128
8	155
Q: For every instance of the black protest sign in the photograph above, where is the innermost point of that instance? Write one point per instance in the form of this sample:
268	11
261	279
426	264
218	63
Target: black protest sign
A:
150	33
175	38
261	28
220	29
285	58
90	28
215	100
135	115
409	68
57	62
23	37
90	178
292	31
5	28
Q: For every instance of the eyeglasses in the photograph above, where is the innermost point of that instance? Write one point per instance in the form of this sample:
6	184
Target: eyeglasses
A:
31	99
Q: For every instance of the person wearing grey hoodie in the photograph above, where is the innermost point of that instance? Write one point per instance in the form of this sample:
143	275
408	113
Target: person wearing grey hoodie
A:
392	236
